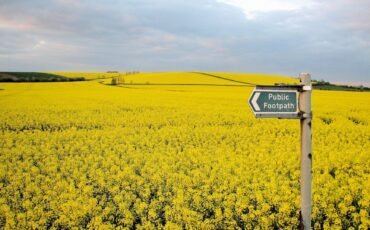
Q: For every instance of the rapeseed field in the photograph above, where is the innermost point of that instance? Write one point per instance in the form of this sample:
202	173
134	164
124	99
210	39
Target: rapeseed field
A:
175	151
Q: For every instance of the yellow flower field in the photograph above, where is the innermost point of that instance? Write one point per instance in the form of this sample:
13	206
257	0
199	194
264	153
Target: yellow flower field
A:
155	154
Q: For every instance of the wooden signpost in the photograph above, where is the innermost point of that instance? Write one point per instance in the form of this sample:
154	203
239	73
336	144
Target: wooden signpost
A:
291	102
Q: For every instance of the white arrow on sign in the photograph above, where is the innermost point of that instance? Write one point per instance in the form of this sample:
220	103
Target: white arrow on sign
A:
254	101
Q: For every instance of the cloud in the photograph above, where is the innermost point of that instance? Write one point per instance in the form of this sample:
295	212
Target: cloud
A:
252	8
12	24
347	14
330	40
40	44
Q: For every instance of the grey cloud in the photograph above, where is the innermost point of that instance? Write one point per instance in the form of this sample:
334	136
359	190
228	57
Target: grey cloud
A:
184	35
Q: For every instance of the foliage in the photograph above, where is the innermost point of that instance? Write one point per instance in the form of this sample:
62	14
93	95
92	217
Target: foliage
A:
325	85
86	155
35	77
118	80
91	75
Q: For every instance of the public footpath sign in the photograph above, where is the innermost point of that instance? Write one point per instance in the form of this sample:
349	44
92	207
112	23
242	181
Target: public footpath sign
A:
291	101
273	101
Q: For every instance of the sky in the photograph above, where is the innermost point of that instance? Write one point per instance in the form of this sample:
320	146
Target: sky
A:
329	39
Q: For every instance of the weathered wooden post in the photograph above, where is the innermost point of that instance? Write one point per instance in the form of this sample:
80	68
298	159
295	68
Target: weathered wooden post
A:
306	150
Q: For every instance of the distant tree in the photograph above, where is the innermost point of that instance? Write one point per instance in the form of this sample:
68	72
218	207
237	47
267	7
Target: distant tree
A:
114	81
118	80
322	82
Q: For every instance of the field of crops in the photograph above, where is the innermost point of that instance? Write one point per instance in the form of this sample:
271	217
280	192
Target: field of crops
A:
148	156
